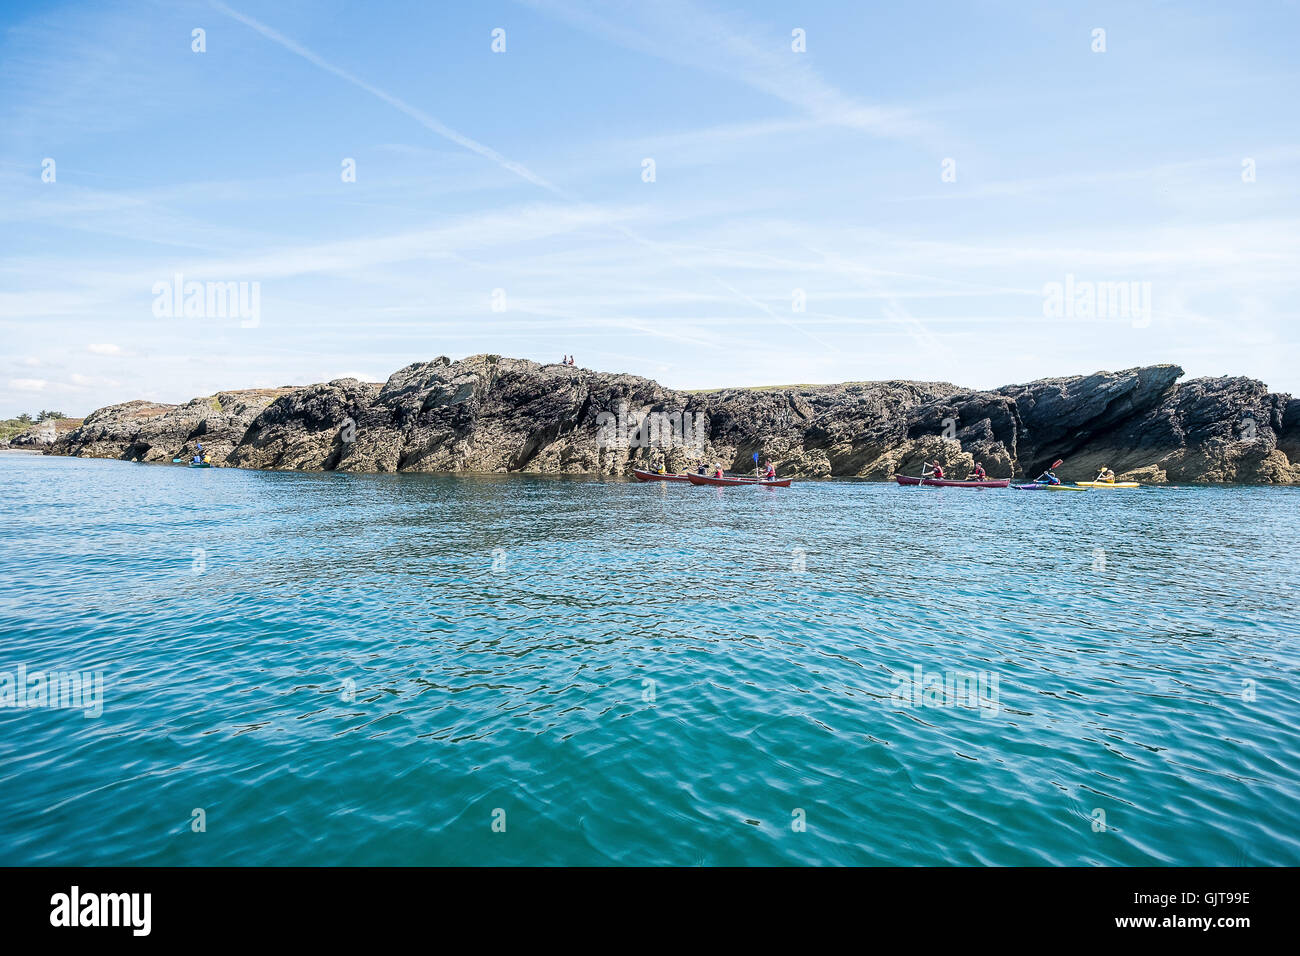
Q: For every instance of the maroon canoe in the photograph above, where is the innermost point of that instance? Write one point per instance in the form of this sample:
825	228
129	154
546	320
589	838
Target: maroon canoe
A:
655	476
709	480
945	483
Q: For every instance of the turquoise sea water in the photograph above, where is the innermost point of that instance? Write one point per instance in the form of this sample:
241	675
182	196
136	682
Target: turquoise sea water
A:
374	669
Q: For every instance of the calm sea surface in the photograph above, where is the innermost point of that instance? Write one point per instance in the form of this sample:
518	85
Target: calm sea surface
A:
406	669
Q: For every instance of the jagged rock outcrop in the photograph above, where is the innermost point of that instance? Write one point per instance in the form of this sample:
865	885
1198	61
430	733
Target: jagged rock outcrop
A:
42	435
487	413
147	431
312	424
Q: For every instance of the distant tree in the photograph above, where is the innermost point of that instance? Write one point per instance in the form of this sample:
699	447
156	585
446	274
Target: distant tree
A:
45	416
24	418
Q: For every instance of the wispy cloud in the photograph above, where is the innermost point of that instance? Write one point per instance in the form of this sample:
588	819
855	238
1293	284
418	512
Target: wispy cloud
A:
419	115
760	58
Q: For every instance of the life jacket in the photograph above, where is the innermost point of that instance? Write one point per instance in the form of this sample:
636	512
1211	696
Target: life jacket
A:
938	472
718	473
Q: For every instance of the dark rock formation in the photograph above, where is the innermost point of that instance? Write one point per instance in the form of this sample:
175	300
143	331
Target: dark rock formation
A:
307	425
42	435
146	431
492	414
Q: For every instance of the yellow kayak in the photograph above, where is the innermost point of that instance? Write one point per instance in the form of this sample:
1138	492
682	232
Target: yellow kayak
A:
1108	484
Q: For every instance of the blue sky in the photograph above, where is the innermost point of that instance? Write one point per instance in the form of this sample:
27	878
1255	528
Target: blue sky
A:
522	171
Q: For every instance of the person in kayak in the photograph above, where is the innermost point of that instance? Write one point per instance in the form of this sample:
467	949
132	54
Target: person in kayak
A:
1105	475
978	473
1048	478
932	470
662	470
702	469
718	472
770	474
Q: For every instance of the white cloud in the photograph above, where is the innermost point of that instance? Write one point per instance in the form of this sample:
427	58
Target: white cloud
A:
106	348
28	384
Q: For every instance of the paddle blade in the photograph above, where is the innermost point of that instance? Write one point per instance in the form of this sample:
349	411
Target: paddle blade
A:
1058	463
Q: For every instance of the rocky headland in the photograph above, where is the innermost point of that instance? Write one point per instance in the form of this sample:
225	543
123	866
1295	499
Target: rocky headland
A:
41	436
487	413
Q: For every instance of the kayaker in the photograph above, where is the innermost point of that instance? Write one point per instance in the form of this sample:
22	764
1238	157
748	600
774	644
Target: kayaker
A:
1105	475
1048	478
978	473
717	472
932	470
662	470
702	469
770	473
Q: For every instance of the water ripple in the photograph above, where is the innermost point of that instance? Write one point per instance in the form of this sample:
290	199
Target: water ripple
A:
341	669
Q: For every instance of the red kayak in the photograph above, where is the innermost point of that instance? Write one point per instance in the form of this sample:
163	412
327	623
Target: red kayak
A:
655	476
945	483
708	480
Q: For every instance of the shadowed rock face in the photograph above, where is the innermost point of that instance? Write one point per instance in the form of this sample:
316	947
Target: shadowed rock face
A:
42	435
304	425
487	413
146	431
